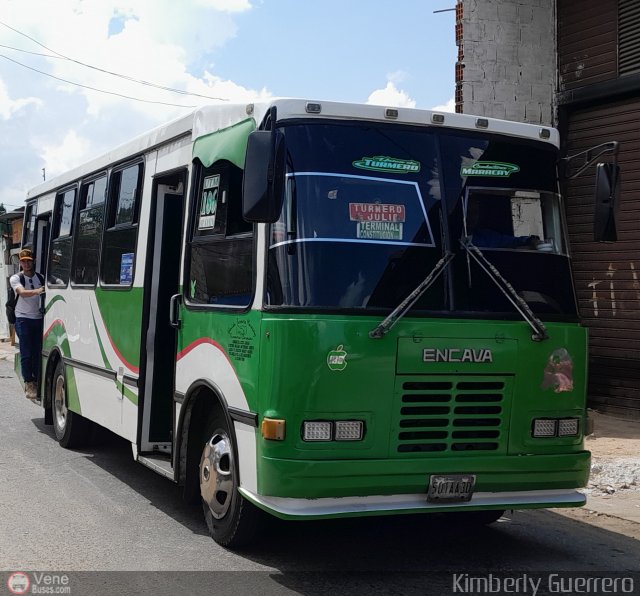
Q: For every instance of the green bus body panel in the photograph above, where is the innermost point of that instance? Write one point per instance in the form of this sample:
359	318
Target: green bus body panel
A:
343	478
121	312
229	144
56	337
384	380
236	334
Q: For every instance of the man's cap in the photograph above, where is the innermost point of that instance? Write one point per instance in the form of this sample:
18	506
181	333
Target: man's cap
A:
26	254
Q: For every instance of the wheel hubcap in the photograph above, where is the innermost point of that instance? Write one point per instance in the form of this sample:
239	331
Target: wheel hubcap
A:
216	474
60	403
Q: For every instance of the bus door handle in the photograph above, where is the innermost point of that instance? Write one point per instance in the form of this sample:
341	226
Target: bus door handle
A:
174	311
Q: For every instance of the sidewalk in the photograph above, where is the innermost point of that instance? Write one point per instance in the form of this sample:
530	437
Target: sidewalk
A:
7	351
614	486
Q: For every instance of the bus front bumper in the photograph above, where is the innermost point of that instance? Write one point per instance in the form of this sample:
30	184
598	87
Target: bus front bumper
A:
304	489
399	504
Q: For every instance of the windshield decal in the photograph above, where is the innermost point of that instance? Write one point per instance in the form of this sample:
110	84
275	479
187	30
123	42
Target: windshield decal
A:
382	163
209	202
492	169
378	221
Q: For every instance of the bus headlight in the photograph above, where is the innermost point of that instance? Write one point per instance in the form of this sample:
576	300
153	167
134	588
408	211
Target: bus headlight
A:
544	427
555	427
332	430
568	427
349	430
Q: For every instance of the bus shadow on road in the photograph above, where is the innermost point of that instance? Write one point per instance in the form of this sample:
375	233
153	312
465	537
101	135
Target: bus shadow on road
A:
113	454
542	541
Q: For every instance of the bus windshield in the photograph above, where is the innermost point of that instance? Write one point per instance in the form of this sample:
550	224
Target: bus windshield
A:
369	211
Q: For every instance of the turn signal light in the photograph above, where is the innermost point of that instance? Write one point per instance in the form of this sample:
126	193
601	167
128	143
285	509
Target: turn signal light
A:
273	429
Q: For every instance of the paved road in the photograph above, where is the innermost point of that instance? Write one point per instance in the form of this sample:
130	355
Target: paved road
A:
99	510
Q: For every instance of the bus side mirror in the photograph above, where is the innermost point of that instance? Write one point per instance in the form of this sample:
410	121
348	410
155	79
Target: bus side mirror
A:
607	194
263	182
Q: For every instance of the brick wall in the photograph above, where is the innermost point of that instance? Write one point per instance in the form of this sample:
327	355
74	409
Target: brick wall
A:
506	59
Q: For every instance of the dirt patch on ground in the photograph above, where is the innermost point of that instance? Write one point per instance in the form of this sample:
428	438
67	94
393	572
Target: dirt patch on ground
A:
615	455
613	437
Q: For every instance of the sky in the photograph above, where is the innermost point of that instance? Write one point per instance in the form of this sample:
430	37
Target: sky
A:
158	59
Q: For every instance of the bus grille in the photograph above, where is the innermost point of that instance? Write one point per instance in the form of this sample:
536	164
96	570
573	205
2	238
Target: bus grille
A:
462	415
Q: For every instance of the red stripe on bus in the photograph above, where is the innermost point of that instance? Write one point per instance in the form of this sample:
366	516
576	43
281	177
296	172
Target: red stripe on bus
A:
56	322
198	342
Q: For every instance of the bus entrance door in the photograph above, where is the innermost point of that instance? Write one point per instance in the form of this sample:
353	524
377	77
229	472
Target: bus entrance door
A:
162	275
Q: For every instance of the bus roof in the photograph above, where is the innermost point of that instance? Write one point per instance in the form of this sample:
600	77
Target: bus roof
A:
211	118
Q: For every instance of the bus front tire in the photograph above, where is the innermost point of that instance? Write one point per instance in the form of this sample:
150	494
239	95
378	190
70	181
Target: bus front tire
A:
232	521
71	429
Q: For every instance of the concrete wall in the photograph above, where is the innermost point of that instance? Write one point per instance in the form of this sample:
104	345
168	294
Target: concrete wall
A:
509	57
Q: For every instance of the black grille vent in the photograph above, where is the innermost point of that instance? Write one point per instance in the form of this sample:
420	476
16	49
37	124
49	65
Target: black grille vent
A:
459	415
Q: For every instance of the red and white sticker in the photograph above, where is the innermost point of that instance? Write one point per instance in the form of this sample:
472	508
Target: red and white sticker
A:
379	212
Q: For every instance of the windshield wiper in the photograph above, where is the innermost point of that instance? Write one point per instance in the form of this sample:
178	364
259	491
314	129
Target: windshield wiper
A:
539	330
383	328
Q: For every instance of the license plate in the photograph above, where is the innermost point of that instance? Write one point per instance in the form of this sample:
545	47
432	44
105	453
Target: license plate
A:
452	488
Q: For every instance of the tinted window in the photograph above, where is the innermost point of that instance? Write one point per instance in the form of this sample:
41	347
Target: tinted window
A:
30	224
89	232
221	263
61	244
360	225
118	258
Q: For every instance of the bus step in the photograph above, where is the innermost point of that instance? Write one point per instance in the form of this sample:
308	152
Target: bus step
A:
158	463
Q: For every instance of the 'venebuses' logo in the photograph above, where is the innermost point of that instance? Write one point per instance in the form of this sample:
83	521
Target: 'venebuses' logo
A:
18	583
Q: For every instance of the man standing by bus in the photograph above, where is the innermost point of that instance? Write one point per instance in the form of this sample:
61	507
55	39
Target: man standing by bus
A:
29	320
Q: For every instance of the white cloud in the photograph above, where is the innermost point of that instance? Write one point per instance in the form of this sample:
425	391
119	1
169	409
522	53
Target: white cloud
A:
391	96
450	106
165	42
227	5
65	155
399	76
9	106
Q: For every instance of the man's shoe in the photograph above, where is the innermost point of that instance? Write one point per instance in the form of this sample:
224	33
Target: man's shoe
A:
30	390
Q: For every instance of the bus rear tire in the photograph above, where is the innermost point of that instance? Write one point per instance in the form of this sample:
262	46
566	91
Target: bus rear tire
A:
71	429
232	521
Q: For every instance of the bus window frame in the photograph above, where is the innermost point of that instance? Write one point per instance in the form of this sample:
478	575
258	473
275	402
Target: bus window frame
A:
197	177
55	232
82	184
30	213
110	213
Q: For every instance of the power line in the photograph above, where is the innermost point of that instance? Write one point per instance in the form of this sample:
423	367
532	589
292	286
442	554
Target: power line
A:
46	74
115	74
28	52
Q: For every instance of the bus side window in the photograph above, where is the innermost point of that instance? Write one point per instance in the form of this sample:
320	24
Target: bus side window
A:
29	225
221	255
86	253
121	227
61	239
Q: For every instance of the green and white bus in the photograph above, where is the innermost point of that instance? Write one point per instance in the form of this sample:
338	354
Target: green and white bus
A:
292	308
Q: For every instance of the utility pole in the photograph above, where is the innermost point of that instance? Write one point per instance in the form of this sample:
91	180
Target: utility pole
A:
44	177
